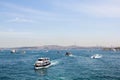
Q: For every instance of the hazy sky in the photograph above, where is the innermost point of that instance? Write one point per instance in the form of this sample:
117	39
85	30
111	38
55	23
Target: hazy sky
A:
59	22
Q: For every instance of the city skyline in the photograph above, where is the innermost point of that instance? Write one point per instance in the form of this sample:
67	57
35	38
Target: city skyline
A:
59	22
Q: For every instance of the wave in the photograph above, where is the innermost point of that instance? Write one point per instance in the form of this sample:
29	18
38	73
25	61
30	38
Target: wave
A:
73	56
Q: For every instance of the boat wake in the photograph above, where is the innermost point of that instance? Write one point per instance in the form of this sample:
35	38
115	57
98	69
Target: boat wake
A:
72	55
54	62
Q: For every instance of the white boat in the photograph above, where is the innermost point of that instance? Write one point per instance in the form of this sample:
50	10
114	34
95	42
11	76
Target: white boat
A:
114	50
96	56
42	63
68	54
13	51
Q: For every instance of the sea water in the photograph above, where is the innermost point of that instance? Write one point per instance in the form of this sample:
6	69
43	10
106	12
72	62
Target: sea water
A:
79	66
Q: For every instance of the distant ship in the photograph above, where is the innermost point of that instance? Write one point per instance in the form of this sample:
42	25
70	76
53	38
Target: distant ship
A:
42	63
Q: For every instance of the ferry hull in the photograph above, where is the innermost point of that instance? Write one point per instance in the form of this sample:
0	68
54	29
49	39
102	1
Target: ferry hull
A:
42	67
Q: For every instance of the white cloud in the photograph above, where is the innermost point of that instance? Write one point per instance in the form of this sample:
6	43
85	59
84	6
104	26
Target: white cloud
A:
102	8
13	33
19	13
17	19
25	9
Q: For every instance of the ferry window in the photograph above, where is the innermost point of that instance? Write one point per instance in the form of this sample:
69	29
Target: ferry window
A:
39	59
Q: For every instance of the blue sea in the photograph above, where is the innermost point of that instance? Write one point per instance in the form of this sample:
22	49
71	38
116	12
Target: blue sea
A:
79	66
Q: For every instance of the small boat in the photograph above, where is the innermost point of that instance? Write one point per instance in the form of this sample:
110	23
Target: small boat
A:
13	51
96	56
23	52
114	50
68	54
42	63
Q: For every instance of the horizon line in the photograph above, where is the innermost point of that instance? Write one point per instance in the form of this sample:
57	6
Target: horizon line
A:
62	46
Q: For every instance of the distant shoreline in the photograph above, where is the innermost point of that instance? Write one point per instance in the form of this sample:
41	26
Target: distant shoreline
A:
57	47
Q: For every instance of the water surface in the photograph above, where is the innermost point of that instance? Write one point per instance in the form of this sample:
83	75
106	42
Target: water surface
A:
80	66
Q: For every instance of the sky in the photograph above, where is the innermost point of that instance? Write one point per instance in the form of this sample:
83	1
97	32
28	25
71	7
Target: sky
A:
59	22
